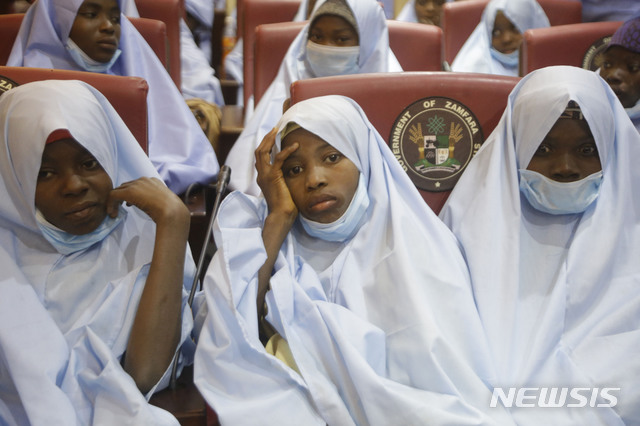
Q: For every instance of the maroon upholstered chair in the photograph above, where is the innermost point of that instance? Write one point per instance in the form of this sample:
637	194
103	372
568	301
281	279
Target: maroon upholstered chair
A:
255	13
460	18
128	95
170	12
153	31
485	95
562	44
416	46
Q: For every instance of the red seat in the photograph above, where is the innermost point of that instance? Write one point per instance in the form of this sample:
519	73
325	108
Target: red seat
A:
460	18
255	13
561	45
416	46
485	95
171	13
128	95
153	31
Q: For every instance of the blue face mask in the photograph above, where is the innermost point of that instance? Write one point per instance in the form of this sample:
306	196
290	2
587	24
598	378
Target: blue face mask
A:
507	59
88	64
553	197
66	243
347	225
326	61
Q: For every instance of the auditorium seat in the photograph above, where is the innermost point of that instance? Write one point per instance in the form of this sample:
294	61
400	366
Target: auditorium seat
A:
561	45
416	46
171	13
484	95
128	95
460	18
153	31
255	13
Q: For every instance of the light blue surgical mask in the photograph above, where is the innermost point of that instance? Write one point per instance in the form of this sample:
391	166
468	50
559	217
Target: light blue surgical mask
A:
347	225
66	243
507	59
326	61
553	197
88	64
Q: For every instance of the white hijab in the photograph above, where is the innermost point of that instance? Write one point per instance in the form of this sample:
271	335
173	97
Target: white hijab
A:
382	327
408	11
557	294
475	54
178	147
83	303
375	56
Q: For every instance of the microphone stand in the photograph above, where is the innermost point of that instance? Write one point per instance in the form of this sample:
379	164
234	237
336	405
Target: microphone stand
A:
221	187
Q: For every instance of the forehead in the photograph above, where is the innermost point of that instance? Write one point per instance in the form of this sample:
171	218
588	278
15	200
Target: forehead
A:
621	53
100	4
331	23
569	131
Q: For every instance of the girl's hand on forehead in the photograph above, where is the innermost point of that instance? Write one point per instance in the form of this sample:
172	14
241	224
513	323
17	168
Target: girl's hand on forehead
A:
152	197
270	176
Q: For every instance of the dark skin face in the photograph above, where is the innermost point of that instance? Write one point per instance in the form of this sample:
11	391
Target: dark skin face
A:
505	37
428	11
72	189
332	30
321	180
568	153
621	69
96	29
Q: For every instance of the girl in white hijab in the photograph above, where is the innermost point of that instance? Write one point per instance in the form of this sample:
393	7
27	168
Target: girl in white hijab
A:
93	293
177	146
372	55
430	11
373	316
553	256
493	47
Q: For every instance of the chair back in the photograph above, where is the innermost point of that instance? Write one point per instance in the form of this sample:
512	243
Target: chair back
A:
256	13
460	18
416	46
128	95
562	44
171	12
153	31
429	109
9	27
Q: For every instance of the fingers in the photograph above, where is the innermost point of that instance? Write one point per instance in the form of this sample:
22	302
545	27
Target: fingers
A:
263	152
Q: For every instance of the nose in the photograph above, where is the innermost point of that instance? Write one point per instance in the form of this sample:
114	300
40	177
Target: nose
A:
316	178
73	185
565	169
106	25
430	6
614	75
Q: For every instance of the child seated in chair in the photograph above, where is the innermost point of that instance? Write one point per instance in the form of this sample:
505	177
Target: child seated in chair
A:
338	297
621	67
494	45
423	11
555	275
343	37
95	261
95	36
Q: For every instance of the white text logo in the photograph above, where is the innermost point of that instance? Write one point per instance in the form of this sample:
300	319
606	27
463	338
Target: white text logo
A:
553	397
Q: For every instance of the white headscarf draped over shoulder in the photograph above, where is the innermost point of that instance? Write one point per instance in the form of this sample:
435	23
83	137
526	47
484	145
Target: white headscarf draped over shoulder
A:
375	56
382	327
475	54
88	298
557	294
178	147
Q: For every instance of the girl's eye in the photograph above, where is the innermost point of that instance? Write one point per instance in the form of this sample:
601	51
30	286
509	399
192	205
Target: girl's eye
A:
315	37
293	171
543	149
634	67
333	158
589	150
44	174
91	164
115	19
89	15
